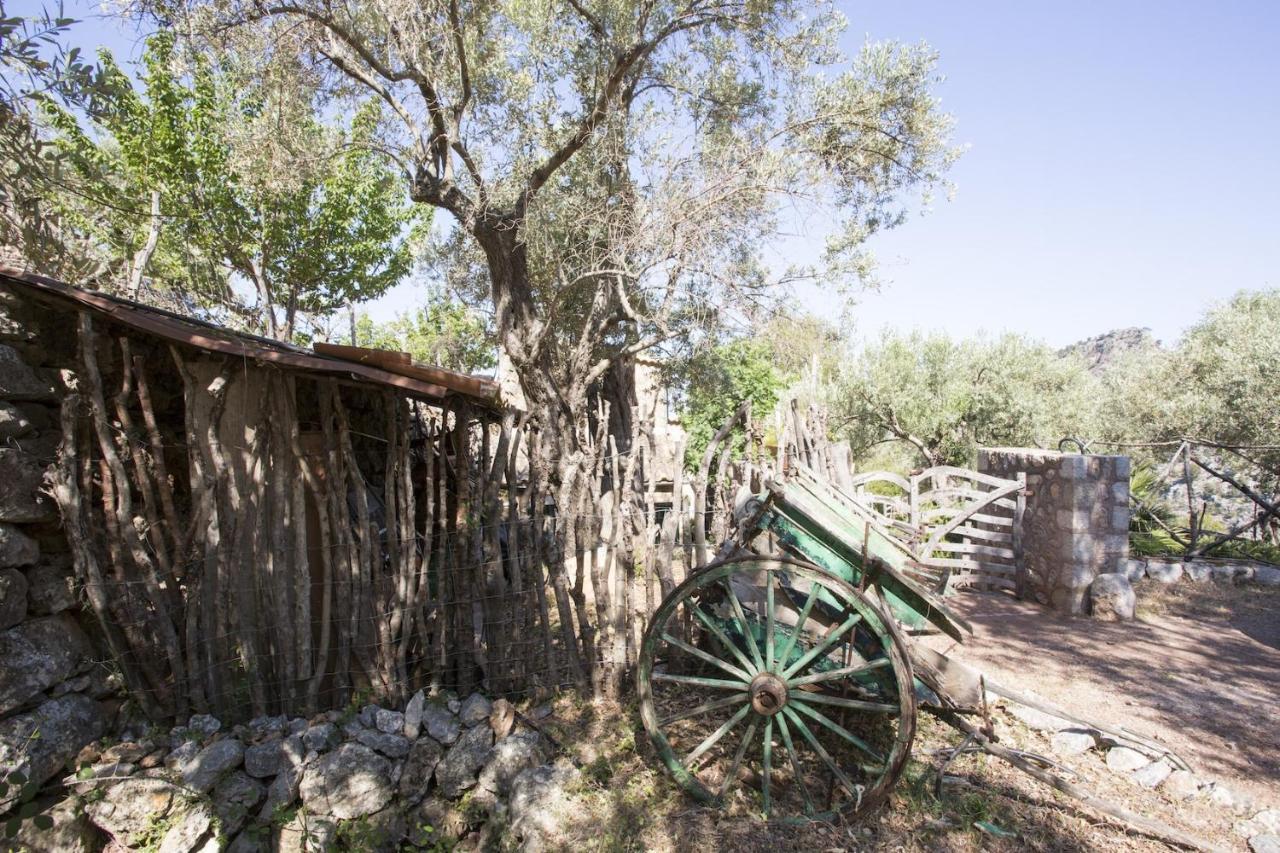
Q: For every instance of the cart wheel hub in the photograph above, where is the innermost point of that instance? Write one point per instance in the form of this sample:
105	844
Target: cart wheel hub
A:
768	694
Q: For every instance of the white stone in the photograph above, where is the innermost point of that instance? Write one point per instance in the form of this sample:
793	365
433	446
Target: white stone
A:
1165	572
1122	759
1073	742
1112	598
1181	785
1266	843
1152	775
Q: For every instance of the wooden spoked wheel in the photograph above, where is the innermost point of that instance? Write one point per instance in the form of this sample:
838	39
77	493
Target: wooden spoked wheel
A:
769	686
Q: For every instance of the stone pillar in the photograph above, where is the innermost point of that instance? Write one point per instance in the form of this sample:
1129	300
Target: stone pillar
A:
1076	523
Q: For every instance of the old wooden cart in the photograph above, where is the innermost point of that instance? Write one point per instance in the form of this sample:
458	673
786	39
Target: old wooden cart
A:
783	672
785	676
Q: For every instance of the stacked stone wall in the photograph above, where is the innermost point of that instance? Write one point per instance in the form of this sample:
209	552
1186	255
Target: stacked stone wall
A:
51	689
1076	523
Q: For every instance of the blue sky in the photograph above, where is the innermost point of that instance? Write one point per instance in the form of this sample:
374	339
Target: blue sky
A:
1122	166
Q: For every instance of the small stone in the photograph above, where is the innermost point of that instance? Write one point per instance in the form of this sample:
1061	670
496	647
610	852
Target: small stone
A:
369	716
1265	843
1198	572
451	702
51	588
1134	570
38	654
182	756
212	763
442	725
475	710
1181	785
503	719
189	833
282	791
22	494
389	722
1164	572
1122	759
13	423
321	737
1038	720
1221	795
263	759
1266	575
457	770
1073	742
41	742
262	727
392	746
413	715
204	724
297	726
1112	598
539	802
1153	774
1265	822
127	752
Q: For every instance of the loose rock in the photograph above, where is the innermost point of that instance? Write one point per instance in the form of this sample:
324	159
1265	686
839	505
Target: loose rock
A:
1181	785
1073	742
413	715
306	833
321	737
349	782
130	808
389	722
392	746
539	800
1164	572
1152	774
22	497
263	759
1266	576
475	710
442	725
212	763
1038	720
1112	598
1122	759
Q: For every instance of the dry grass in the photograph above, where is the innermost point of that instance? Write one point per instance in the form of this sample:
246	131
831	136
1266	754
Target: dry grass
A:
625	802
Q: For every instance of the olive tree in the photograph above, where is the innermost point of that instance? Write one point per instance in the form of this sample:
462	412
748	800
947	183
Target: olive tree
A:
943	398
614	168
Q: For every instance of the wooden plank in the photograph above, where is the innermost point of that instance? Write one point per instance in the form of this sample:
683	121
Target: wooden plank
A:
966	474
973	548
929	516
962	581
969	565
389	359
988	535
970	495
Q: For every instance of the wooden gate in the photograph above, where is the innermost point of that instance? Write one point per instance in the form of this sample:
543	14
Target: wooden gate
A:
963	528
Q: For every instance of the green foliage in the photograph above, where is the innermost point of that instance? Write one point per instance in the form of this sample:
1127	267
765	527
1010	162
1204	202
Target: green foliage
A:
221	183
944	398
719	380
443	332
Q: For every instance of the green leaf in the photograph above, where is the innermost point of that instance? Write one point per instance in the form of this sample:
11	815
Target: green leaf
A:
12	826
43	822
17	777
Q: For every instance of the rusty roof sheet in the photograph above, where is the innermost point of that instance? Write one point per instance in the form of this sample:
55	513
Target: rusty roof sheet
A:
394	370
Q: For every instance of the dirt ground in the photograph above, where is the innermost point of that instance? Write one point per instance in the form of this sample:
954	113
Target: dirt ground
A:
1199	671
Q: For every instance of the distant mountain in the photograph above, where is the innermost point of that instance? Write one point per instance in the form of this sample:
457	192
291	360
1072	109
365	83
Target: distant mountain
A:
1101	351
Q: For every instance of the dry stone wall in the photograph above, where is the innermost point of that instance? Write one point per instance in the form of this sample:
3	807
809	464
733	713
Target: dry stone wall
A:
51	689
1076	523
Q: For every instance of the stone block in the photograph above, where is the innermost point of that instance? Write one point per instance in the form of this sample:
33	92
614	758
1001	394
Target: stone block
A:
16	547
1073	467
1112	598
1120	493
38	654
1123	467
22	497
13	598
20	382
1120	518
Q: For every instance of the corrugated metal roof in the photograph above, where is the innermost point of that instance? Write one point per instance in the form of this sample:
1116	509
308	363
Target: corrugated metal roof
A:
380	367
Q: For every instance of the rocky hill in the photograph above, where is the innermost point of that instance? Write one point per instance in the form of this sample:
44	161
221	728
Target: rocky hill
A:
1102	350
